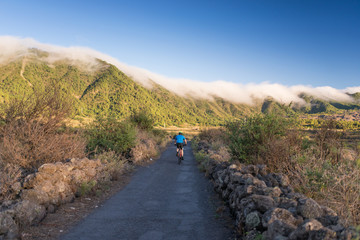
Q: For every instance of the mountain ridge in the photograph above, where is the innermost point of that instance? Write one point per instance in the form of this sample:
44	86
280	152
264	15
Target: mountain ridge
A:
107	90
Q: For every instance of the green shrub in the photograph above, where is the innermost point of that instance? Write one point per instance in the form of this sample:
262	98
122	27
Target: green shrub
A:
86	188
203	159
250	138
142	120
109	134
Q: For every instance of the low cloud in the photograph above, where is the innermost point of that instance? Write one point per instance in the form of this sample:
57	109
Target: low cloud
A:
11	48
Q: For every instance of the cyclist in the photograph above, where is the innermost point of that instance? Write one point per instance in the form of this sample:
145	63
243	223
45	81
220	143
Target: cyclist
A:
179	142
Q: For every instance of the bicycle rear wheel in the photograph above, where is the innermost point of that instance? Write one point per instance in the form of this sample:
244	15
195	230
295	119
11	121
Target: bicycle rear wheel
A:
180	157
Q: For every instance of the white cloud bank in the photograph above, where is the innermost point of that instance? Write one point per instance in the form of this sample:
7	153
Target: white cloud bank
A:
12	48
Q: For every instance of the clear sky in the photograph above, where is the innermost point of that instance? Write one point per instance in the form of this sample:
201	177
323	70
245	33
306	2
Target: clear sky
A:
290	42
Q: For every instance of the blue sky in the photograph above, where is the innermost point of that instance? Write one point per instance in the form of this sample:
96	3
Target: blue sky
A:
290	42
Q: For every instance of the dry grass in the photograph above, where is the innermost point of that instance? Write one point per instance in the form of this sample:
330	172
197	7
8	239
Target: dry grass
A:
115	165
333	185
31	134
145	148
322	171
29	144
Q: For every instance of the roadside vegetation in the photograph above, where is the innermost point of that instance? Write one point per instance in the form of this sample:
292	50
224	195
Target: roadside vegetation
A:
34	131
323	163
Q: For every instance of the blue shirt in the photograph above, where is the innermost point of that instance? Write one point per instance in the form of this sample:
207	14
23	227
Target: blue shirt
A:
179	138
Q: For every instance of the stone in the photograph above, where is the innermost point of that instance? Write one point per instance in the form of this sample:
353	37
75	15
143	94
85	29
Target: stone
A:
337	228
238	178
37	196
231	187
328	211
51	209
311	225
279	228
29	213
272	192
226	193
8	227
242	191
328	220
262	203
227	179
308	208
250	169
282	179
322	234
29	181
296	196
259	183
287	203
233	167
6	204
252	220
48	168
271	181
303	231
279	214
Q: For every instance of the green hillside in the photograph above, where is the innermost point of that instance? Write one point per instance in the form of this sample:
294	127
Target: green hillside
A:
107	90
110	91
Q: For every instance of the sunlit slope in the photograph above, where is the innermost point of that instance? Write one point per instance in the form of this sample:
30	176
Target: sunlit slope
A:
107	90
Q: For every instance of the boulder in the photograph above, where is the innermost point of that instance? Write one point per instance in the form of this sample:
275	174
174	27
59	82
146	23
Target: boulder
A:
239	178
303	231
272	192
29	213
271	181
308	208
287	203
253	220
262	203
8	228
250	169
279	214
322	234
278	229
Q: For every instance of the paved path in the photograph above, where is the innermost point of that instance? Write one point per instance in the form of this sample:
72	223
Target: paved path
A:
163	201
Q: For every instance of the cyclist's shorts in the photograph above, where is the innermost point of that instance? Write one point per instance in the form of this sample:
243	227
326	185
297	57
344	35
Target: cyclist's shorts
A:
179	145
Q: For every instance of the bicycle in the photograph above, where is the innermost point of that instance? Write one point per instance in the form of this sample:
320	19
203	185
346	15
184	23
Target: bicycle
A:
180	155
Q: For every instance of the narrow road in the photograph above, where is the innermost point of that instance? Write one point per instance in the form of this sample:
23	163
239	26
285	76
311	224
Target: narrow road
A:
163	201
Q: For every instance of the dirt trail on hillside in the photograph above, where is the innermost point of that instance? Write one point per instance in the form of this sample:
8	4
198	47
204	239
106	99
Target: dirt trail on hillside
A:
163	201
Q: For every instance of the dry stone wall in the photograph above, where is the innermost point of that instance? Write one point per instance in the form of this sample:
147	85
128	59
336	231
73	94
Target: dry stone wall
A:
266	207
43	191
